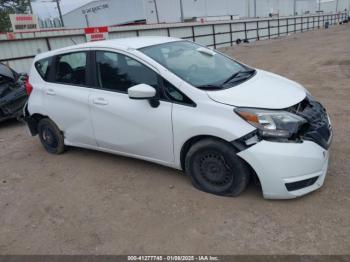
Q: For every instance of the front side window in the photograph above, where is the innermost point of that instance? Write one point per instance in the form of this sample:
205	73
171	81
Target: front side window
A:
71	68
117	72
199	66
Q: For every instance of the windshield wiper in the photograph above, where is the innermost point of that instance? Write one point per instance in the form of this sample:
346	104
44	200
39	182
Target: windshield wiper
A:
246	73
238	76
209	87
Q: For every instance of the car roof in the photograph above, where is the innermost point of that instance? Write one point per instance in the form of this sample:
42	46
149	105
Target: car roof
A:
120	43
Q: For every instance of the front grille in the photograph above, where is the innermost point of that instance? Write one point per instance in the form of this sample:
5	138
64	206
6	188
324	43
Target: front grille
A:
317	128
301	184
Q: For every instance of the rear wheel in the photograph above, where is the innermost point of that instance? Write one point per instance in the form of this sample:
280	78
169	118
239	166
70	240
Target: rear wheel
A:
215	168
50	136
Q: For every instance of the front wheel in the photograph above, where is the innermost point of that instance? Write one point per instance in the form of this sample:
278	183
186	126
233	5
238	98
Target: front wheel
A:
215	168
50	136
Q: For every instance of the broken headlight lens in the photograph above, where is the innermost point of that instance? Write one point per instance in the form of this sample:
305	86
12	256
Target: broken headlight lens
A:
272	123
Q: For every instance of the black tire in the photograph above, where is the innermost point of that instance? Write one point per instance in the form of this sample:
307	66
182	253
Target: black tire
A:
50	136
215	168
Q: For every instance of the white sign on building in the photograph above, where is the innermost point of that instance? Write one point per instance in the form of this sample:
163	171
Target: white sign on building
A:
24	22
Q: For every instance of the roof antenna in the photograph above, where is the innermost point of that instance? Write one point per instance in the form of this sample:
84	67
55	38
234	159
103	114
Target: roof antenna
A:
73	41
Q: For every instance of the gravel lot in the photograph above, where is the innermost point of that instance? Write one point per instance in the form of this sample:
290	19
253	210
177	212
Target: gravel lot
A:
86	202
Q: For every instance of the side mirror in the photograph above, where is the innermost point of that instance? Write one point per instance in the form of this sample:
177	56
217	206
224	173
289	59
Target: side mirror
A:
142	91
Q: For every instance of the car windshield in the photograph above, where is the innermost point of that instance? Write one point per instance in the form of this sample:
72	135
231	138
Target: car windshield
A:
198	65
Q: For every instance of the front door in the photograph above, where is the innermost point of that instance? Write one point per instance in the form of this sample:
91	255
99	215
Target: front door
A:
124	125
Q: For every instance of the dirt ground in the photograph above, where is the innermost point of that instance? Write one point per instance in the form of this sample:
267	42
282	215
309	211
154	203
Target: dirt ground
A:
86	202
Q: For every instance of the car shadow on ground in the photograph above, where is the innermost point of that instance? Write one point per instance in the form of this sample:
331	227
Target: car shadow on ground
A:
10	123
115	161
253	188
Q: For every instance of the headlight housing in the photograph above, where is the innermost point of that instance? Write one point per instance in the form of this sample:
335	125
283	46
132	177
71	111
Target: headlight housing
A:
272	123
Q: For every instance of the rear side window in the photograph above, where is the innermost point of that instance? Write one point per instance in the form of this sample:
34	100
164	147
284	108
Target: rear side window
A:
43	66
71	68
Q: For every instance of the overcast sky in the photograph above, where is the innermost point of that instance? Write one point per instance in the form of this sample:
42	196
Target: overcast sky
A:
44	9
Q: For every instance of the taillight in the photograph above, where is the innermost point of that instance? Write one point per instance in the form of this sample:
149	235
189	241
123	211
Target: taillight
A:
29	87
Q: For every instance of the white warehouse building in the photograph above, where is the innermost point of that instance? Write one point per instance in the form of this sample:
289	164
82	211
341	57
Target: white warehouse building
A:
116	12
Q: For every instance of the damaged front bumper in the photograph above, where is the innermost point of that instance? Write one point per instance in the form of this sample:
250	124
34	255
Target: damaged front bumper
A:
289	169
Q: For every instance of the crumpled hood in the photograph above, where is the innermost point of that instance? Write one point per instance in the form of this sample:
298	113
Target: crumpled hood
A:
6	72
264	90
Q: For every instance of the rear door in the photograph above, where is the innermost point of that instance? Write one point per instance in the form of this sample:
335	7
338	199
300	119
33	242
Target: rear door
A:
126	125
66	97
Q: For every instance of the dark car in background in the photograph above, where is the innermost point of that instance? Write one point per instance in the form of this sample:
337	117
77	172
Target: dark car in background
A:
13	95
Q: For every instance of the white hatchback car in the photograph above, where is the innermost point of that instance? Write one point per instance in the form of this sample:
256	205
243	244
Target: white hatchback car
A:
179	104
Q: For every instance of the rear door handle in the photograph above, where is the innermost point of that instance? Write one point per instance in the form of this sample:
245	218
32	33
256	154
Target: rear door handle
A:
50	92
100	101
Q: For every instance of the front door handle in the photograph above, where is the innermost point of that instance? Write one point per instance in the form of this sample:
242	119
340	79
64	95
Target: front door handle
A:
100	101
50	92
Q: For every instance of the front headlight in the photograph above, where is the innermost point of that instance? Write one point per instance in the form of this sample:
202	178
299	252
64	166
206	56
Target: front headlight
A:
272	123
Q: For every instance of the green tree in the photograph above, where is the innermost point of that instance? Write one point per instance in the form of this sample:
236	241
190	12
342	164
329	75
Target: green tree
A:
11	7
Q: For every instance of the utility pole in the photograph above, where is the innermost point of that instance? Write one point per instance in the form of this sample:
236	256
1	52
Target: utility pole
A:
30	6
156	7
294	7
336	6
58	8
182	11
59	12
87	21
249	8
319	6
255	8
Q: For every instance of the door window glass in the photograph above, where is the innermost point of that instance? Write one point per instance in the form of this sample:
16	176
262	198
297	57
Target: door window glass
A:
117	72
71	68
